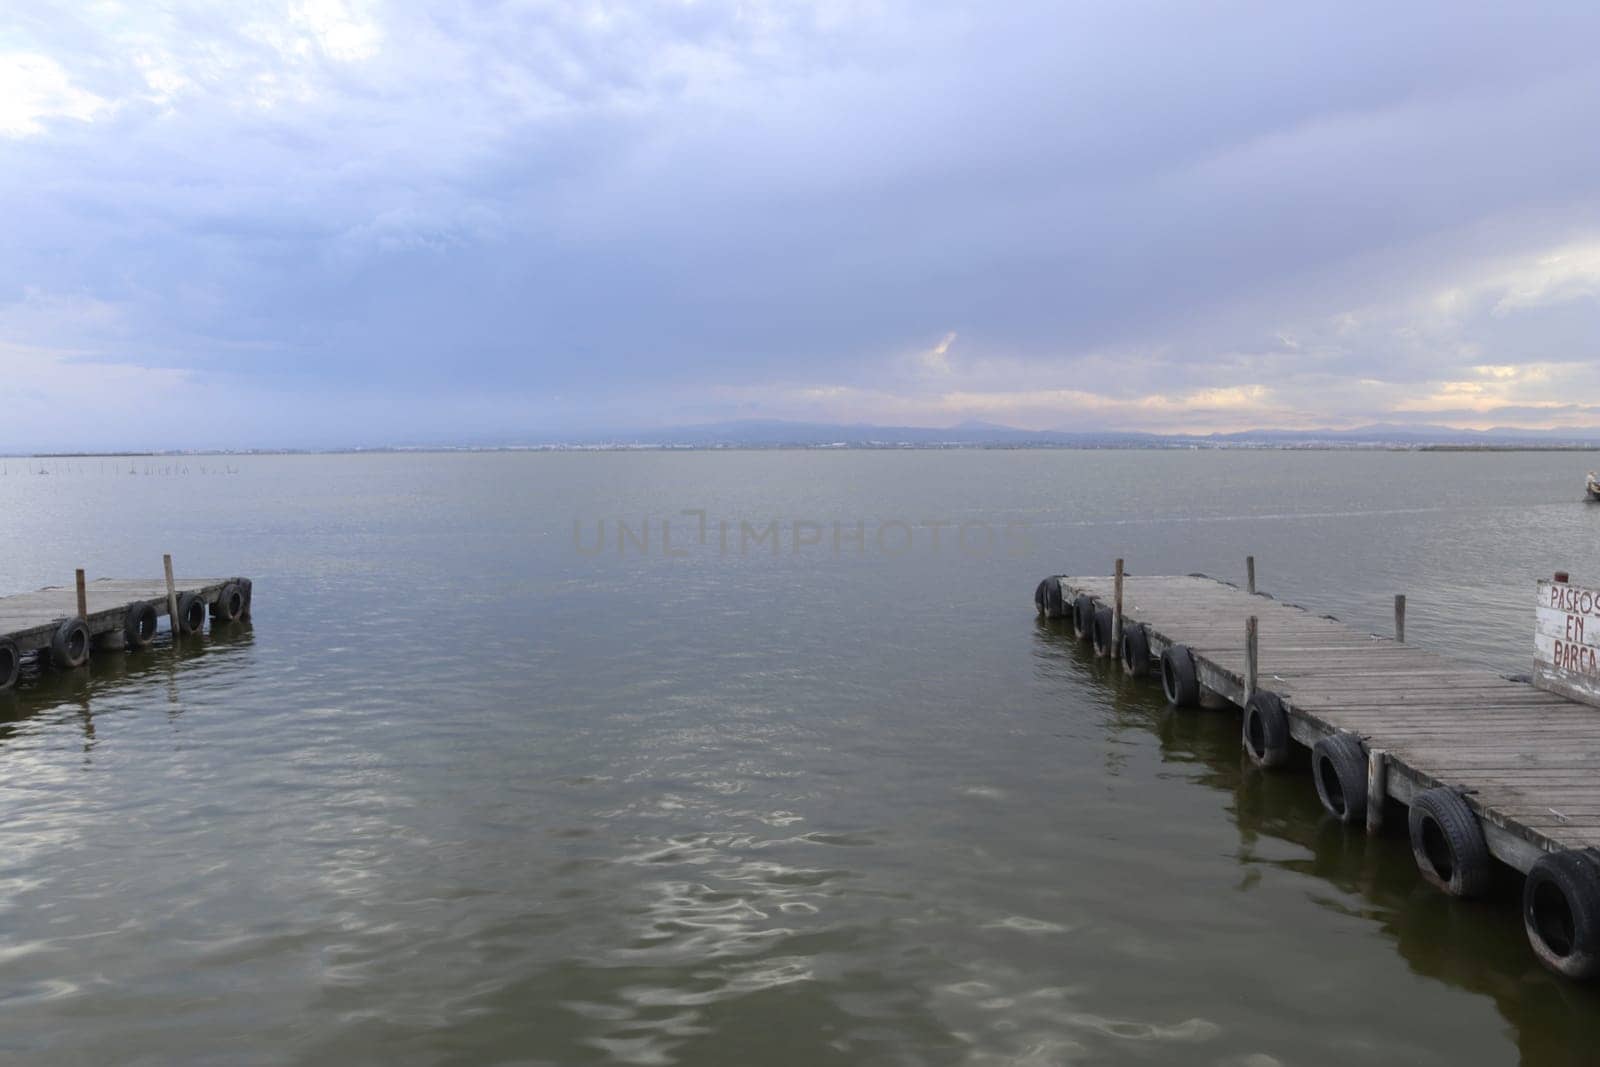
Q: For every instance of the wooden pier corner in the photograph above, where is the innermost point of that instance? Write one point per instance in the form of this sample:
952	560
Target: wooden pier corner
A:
1491	769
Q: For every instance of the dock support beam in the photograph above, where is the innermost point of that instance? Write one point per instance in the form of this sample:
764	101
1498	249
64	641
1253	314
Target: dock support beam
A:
1251	641
1377	788
1400	617
83	596
1116	616
172	596
1250	574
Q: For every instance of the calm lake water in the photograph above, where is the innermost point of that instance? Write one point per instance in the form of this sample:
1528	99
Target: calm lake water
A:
469	790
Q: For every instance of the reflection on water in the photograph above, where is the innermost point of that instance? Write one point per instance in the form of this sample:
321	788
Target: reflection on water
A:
464	795
42	687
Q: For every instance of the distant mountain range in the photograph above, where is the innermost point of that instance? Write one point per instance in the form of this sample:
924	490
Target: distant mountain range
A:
774	433
770	433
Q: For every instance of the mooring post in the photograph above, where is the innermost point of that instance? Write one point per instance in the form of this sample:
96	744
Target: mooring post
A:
1377	788
1250	574
83	597
172	596
1116	614
1400	617
1250	655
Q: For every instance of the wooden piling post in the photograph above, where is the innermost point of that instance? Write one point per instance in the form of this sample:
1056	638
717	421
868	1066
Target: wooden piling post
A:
1400	617
1250	574
1377	788
1116	615
83	597
1251	641
172	596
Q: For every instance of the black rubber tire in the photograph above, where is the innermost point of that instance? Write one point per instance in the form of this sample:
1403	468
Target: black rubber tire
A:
139	626
229	605
69	645
10	663
1179	678
1266	730
1048	599
1135	650
1448	843
1561	912
248	587
191	613
1102	633
1339	767
1083	617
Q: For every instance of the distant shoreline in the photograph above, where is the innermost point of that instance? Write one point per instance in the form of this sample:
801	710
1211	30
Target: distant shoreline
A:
1176	446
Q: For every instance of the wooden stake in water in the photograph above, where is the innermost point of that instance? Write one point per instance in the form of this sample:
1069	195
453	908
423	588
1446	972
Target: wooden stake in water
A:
1400	617
1377	788
83	597
1116	615
1250	574
172	595
1250	656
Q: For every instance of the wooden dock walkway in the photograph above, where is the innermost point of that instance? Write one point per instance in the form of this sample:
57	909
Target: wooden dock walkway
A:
112	613
1524	760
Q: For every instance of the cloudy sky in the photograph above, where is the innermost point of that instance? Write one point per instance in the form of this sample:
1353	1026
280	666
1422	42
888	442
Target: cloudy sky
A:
351	221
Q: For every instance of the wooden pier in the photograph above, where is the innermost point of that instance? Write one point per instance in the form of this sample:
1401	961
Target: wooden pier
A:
65	625
1489	766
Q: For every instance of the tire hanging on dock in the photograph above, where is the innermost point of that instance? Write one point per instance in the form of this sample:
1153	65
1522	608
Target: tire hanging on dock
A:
1103	620
69	645
139	625
1180	680
1339	767
1266	730
10	663
1135	649
1048	599
1561	912
1083	617
191	613
1448	843
229	605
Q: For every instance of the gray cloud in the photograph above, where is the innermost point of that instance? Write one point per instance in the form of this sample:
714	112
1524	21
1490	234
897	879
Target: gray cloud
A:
538	218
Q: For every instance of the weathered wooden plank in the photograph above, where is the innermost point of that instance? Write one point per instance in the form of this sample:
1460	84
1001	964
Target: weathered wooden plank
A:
1483	716
1494	736
1355	678
1504	696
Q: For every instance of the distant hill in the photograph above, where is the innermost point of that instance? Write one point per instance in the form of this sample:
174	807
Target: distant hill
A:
775	433
772	433
1420	435
778	433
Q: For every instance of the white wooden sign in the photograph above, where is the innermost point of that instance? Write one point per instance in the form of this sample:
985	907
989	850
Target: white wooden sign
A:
1566	640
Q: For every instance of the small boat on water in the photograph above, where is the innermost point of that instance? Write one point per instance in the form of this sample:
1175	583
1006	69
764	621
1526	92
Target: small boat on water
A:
1593	487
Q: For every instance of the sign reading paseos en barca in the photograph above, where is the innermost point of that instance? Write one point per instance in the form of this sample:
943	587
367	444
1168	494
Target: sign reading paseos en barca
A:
1566	640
